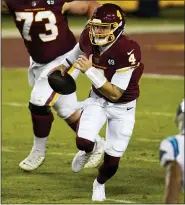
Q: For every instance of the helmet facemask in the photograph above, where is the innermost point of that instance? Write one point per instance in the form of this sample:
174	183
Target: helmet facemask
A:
102	33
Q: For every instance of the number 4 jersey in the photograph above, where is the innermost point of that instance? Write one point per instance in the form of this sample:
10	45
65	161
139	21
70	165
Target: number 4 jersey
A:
43	27
120	62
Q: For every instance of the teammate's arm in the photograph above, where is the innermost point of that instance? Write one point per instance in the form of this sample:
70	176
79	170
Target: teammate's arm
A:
81	7
4	7
173	182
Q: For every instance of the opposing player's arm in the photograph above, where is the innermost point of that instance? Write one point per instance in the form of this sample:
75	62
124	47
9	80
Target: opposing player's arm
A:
4	7
81	7
172	182
173	176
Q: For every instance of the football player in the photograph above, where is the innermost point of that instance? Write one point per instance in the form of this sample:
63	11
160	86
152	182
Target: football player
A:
112	62
44	28
172	158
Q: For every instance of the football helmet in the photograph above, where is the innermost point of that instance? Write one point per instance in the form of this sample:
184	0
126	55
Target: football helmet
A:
106	24
180	117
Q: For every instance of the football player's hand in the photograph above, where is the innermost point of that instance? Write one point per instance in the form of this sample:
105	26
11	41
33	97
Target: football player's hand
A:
84	63
61	68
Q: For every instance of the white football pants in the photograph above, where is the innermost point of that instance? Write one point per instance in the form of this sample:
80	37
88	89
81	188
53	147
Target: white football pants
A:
120	123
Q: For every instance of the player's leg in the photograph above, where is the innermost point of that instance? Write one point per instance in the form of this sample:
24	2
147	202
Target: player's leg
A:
92	120
67	108
119	131
42	97
98	153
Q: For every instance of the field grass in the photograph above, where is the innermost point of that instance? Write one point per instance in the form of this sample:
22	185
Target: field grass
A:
140	179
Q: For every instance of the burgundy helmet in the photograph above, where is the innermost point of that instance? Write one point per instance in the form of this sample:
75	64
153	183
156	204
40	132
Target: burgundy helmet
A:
106	24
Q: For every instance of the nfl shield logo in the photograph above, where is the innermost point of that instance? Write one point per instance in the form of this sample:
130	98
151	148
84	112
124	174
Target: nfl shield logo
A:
50	2
111	61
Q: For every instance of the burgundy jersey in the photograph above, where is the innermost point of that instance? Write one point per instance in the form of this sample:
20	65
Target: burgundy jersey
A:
122	54
43	27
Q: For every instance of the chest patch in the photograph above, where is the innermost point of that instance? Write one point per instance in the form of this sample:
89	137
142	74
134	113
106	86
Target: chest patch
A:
111	61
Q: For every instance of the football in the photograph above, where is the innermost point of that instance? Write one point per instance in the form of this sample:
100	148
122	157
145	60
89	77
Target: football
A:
61	84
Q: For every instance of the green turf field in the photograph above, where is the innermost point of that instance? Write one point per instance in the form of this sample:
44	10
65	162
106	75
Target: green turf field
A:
140	179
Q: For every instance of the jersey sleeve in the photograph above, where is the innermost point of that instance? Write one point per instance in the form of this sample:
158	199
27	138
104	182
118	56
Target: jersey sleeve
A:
130	57
122	79
168	150
129	61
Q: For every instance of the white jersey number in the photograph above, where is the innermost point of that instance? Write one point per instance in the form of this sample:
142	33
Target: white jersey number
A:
132	59
28	18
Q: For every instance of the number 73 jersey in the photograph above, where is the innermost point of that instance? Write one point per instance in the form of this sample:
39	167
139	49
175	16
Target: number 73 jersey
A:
43	27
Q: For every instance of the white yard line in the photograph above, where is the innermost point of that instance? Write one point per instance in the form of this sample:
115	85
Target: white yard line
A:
73	154
147	140
145	159
9	149
164	76
145	75
15	104
168	28
166	114
121	201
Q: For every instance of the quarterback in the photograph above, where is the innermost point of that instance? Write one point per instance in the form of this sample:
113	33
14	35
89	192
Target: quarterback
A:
44	28
112	62
172	158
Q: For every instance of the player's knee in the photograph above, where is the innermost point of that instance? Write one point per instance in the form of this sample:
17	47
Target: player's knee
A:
37	98
42	119
39	110
84	144
66	105
117	148
69	114
74	117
